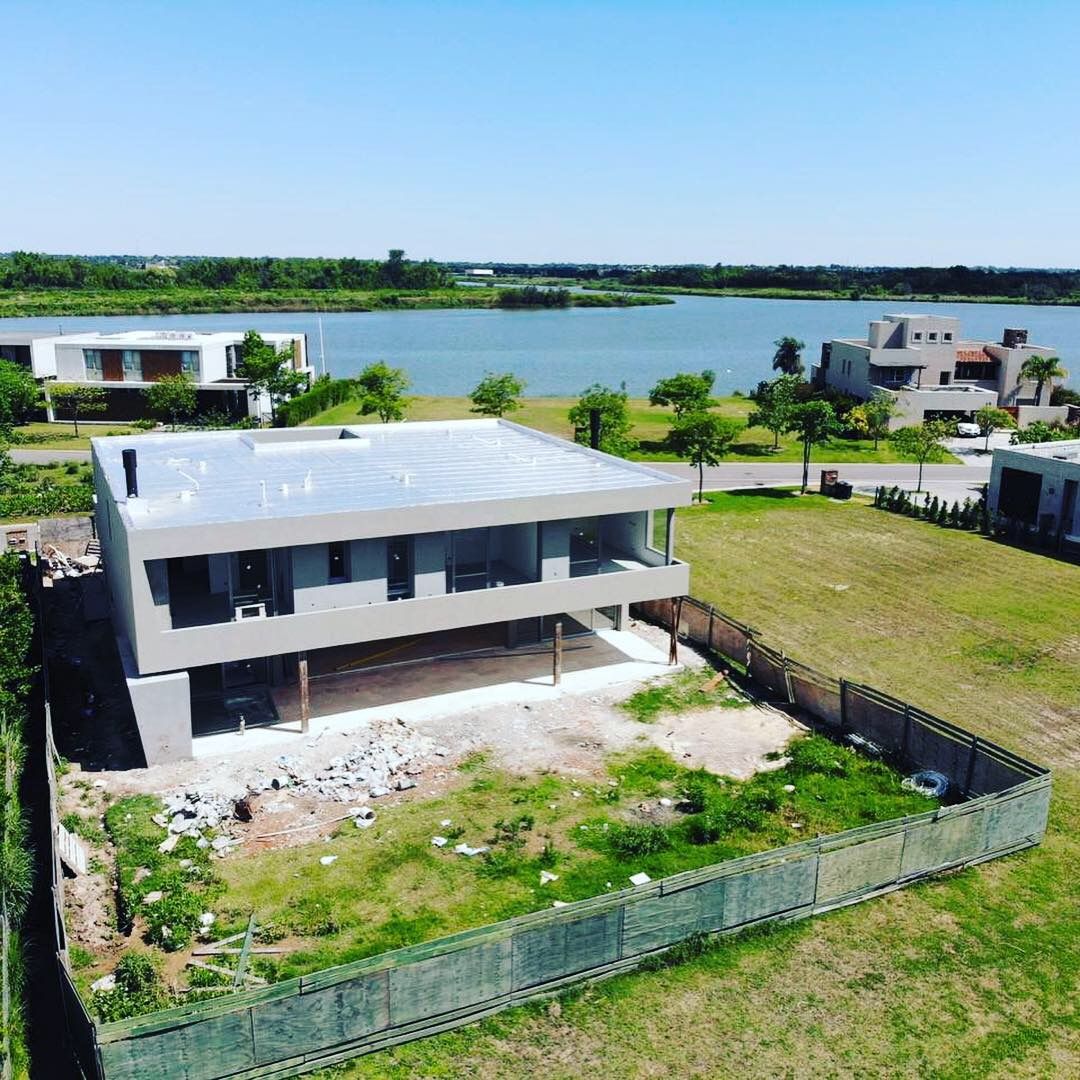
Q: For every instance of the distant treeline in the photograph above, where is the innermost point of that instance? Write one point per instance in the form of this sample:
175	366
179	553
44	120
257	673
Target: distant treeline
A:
1028	284
1036	285
28	270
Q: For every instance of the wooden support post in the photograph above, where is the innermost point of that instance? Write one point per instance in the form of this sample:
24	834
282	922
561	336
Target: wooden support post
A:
788	688
556	655
305	694
673	645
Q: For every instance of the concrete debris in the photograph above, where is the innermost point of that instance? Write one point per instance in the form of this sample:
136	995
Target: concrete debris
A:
546	876
153	897
789	788
104	984
440	841
666	802
364	813
378	792
328	860
464	849
558	903
223	843
446	822
640	879
169	843
186	864
206	919
405	785
141	873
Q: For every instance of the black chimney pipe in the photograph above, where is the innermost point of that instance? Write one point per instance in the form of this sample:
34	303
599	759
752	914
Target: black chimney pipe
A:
594	428
131	474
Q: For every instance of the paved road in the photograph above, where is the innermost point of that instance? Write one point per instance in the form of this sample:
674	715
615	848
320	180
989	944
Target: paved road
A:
47	457
953	482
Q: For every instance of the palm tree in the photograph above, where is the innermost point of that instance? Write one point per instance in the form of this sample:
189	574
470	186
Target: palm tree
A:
1041	370
788	356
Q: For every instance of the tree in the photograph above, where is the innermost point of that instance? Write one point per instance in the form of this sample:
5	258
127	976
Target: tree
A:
172	398
921	443
267	371
872	417
1041	370
685	392
496	395
614	419
19	394
990	417
78	398
381	390
788	356
702	438
814	422
774	401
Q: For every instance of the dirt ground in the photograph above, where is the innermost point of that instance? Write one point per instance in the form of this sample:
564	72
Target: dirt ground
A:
572	735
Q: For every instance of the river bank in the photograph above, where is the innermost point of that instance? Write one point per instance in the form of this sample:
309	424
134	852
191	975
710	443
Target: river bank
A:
66	303
824	294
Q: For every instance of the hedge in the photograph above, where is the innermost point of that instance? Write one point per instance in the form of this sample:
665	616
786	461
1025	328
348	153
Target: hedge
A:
323	395
43	501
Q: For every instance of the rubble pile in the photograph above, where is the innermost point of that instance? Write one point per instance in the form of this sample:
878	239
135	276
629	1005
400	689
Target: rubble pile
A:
388	757
58	565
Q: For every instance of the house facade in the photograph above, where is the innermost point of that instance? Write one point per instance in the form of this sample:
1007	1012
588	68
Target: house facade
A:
126	363
1037	488
932	372
230	556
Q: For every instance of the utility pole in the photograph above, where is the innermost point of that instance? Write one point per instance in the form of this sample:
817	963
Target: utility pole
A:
556	655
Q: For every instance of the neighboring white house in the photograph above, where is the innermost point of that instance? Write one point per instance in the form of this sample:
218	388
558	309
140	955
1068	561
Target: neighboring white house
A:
933	373
126	363
478	272
1036	487
230	555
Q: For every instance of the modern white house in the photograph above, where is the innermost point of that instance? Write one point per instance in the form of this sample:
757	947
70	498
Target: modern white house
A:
126	363
231	556
932	372
1036	487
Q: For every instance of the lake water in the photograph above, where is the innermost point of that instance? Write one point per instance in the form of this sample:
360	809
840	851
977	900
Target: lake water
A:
560	352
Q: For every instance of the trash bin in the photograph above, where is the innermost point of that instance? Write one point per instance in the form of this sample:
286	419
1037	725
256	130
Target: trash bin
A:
840	490
828	479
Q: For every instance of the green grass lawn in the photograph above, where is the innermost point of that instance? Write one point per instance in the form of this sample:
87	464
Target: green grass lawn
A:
650	427
972	975
41	435
389	886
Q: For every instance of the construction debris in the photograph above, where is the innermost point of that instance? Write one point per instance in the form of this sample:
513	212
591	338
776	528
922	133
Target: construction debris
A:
464	849
640	879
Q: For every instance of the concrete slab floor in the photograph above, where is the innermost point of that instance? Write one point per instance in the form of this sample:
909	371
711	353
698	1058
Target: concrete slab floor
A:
439	687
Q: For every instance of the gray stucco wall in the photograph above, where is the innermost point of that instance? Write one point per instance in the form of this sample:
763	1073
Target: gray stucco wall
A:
162	707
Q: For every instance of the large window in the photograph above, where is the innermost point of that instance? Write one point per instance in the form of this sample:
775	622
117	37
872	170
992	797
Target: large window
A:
399	568
337	569
189	362
94	368
1018	496
469	560
132	364
584	547
973	369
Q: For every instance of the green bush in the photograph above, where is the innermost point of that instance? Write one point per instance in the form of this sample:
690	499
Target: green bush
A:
816	754
696	794
138	990
634	841
324	394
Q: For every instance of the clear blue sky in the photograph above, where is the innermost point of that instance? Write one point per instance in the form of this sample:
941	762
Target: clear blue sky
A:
594	131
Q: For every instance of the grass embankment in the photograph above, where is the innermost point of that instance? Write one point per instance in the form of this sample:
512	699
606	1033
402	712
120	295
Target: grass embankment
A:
831	294
389	886
973	975
28	492
650	428
197	301
41	435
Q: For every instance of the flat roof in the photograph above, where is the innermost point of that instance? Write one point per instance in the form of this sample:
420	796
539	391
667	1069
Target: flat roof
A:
237	476
165	338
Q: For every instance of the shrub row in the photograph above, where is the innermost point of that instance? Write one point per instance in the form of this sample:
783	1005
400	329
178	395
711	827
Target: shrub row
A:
16	862
974	516
47	499
324	394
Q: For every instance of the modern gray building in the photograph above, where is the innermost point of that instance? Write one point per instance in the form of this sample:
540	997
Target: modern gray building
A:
1035	488
231	555
125	363
931	372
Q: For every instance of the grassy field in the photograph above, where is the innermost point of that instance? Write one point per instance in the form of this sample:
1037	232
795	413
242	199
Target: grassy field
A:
972	975
389	886
40	435
650	426
198	301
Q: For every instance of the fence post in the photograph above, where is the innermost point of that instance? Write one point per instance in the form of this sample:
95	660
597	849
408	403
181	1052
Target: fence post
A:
906	737
972	755
708	633
843	706
787	678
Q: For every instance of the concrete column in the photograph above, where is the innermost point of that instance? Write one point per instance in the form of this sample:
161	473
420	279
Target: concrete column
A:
669	540
162	707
